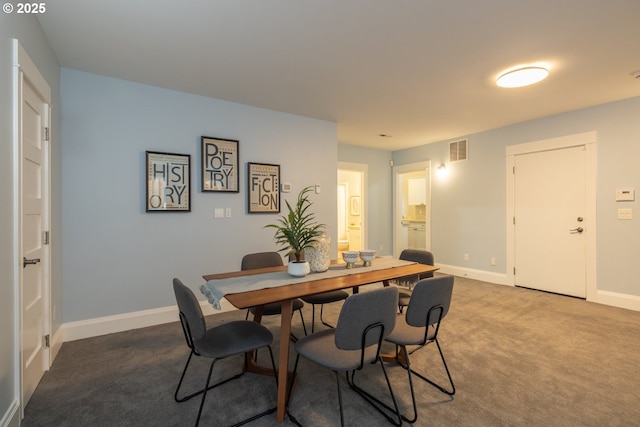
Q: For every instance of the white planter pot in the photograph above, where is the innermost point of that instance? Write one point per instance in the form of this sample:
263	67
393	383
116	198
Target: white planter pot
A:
298	269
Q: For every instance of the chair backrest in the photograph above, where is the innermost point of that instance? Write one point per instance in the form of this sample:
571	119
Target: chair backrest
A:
419	256
362	310
261	260
430	301
191	315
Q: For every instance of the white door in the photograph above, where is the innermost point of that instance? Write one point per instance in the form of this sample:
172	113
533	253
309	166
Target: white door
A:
551	220
33	113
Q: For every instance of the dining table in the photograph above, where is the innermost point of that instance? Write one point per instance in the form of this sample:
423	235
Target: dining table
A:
255	288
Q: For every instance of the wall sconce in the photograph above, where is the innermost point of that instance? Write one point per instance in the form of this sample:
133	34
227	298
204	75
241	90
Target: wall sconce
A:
441	170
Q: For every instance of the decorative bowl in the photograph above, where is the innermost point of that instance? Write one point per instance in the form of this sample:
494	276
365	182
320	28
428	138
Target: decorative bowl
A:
367	255
350	257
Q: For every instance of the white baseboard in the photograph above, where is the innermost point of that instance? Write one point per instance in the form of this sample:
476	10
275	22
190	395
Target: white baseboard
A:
485	276
614	299
11	418
123	322
56	343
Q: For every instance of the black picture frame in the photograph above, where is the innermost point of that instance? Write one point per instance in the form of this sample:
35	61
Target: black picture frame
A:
219	165
168	187
263	188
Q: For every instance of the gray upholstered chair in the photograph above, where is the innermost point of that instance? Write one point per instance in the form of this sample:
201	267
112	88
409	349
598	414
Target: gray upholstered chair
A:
263	260
216	343
421	257
365	320
429	304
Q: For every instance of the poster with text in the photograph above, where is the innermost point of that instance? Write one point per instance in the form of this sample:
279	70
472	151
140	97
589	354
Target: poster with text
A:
168	182
263	188
219	165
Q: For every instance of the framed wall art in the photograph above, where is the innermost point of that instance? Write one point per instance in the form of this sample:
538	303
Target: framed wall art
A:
168	182
263	188
219	165
355	206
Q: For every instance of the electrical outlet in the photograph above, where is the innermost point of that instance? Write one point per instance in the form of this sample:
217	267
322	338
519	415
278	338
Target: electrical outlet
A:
493	260
227	212
466	257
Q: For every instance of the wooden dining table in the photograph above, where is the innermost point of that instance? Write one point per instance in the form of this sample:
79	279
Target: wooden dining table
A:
285	294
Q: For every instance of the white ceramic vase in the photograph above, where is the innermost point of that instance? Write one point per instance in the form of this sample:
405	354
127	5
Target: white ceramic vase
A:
298	269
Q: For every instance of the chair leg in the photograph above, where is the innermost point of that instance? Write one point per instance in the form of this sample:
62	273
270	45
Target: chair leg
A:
405	355
377	403
204	394
313	317
209	387
184	371
339	398
444	363
322	320
286	404
304	328
270	410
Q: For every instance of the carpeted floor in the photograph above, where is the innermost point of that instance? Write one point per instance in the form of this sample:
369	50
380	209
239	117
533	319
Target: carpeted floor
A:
518	357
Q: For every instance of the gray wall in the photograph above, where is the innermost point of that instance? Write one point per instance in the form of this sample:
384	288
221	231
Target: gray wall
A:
119	259
27	29
469	207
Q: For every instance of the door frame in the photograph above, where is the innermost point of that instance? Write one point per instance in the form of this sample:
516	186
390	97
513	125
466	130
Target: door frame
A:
397	201
589	141
24	70
362	169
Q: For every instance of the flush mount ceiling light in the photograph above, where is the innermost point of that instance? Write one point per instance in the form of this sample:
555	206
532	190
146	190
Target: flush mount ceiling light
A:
522	76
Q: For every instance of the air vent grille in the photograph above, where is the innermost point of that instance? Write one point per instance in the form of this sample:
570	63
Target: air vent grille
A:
458	150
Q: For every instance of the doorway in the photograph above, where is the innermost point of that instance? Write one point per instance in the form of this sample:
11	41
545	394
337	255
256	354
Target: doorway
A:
352	212
551	215
32	107
411	207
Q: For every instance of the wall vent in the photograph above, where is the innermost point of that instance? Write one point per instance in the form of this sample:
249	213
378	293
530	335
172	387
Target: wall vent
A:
458	150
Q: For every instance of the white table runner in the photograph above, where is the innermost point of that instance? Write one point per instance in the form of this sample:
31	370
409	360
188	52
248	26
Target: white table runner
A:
216	289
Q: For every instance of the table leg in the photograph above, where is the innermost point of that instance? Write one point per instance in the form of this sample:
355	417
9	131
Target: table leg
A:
283	361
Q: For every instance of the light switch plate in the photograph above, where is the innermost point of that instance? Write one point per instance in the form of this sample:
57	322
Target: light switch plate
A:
218	213
625	195
626	213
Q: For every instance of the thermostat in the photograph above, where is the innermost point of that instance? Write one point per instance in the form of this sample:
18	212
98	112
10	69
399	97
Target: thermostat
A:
625	195
285	187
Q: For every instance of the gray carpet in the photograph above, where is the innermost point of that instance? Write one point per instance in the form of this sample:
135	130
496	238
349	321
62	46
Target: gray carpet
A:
518	358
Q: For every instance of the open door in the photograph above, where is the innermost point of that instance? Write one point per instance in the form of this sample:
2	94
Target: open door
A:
32	115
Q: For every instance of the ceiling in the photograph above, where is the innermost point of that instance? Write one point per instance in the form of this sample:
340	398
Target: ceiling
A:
418	71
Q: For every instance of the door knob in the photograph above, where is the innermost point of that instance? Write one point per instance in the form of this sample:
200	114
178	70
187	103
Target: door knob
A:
579	229
26	261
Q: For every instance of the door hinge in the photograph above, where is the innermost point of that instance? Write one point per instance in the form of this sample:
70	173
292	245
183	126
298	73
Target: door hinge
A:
513	171
45	133
46	341
45	238
514	271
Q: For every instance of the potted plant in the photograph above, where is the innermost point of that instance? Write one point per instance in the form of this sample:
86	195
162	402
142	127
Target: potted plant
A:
296	231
